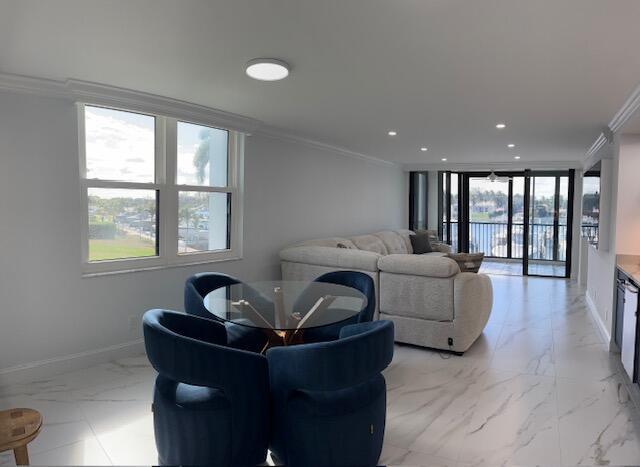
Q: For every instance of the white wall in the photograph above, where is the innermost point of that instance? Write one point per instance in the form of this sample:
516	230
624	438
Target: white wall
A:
292	192
628	200
619	222
601	262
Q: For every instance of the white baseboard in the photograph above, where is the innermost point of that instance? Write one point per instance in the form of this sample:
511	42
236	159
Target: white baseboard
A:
606	334
42	369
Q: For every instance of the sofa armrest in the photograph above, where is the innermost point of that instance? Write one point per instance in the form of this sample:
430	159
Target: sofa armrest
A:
472	298
419	265
343	258
440	247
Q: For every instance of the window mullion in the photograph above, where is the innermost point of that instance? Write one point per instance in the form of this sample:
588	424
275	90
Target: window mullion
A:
236	161
170	192
206	189
95	183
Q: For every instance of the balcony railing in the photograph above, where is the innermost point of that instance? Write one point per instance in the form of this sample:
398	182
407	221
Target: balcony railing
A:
491	238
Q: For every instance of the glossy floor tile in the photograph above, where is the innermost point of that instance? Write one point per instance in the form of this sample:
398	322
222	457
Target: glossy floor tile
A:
537	388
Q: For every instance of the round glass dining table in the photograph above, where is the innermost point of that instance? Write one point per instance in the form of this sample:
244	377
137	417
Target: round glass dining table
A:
284	309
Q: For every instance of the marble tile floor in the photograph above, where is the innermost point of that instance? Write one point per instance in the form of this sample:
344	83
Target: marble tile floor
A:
538	388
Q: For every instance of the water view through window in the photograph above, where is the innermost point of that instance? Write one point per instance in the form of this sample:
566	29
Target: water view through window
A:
489	218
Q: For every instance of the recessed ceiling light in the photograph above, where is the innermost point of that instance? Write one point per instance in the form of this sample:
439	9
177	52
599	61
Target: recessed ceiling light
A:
423	149
392	132
500	126
443	159
267	69
516	157
511	145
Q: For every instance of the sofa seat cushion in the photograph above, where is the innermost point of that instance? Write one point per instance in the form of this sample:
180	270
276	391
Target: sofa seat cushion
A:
370	243
393	242
428	298
430	265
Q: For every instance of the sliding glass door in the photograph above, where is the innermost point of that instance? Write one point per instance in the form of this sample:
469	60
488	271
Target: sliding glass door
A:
521	221
449	208
495	224
549	232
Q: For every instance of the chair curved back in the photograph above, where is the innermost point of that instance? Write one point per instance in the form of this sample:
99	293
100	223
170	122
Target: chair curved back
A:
356	280
331	394
190	355
198	286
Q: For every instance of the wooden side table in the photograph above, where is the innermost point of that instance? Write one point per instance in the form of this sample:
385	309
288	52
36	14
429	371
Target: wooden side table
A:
468	262
18	427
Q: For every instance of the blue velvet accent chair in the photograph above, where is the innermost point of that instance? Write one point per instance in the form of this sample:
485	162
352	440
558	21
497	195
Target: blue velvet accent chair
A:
238	336
354	279
211	402
329	398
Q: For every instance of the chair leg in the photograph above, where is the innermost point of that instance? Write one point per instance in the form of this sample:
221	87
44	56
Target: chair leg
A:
22	455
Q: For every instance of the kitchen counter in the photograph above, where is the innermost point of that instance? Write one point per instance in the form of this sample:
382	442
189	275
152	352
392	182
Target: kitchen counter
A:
630	265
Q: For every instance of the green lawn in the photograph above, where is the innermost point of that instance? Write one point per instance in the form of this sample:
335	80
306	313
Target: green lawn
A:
128	247
479	217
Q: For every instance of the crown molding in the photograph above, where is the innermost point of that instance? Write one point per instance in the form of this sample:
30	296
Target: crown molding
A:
30	85
102	94
595	147
96	93
617	123
277	133
485	166
626	112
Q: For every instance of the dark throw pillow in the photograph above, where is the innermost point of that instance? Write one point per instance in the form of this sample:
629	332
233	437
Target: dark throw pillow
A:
420	243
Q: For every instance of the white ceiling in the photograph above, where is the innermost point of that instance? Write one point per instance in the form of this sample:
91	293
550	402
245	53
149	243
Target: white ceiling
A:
633	125
440	72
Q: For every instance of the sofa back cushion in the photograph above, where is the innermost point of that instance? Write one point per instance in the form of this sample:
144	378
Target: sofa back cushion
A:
393	241
332	242
406	237
370	243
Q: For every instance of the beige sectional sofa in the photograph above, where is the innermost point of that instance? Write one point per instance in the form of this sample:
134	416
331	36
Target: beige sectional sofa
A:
431	303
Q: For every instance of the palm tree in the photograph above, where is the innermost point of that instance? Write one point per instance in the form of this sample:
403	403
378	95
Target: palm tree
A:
201	157
185	215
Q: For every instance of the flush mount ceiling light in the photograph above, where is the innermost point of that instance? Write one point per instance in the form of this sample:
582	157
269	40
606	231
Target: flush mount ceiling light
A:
267	69
501	126
423	149
392	132
511	145
444	159
516	157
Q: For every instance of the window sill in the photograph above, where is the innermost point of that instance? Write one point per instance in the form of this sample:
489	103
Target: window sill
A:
160	267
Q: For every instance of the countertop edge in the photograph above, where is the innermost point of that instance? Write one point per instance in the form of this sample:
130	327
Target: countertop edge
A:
630	265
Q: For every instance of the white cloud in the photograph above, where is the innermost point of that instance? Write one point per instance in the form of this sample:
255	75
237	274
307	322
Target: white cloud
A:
113	144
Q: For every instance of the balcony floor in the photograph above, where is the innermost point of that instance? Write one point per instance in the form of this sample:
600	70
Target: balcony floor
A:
514	268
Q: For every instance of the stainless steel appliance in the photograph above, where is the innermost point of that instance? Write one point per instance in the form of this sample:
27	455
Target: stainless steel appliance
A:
630	317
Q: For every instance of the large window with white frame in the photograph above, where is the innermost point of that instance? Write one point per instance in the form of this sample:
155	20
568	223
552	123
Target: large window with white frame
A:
157	190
